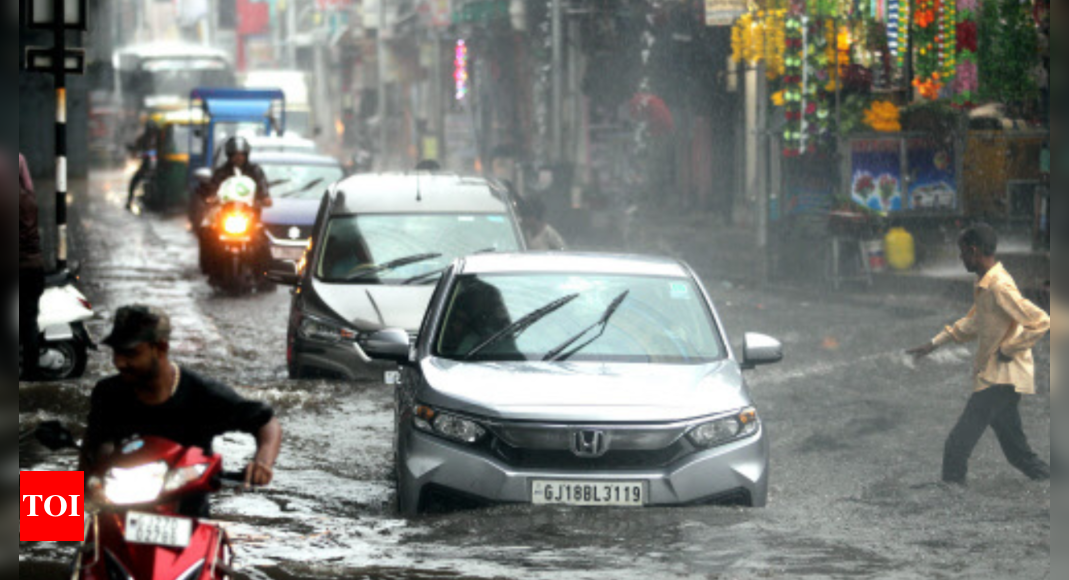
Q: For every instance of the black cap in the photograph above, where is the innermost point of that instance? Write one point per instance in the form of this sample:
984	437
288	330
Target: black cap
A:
137	325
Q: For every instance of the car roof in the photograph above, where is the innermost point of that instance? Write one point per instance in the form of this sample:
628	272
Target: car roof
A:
418	193
293	158
574	263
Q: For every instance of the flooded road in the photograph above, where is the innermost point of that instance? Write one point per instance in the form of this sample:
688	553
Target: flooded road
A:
857	431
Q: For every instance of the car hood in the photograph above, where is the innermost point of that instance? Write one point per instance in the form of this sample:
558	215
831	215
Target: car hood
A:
584	392
377	307
291	212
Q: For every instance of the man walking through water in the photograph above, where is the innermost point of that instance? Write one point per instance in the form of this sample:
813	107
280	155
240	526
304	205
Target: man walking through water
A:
1007	327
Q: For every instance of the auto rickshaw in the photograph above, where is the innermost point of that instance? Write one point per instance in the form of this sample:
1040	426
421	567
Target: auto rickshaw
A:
167	189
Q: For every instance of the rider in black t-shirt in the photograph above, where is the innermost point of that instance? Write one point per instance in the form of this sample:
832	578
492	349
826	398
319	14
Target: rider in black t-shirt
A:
153	397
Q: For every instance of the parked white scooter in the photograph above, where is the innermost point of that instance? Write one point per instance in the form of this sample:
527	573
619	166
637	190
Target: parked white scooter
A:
65	341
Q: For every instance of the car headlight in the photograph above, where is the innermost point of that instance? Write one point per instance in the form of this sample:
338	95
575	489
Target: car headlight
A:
136	485
317	329
725	429
183	476
447	426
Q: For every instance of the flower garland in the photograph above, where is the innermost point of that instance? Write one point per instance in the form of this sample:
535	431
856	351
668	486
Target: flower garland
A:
904	32
794	23
761	36
967	41
884	116
929	79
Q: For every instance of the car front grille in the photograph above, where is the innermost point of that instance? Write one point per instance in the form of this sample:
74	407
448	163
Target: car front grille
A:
612	460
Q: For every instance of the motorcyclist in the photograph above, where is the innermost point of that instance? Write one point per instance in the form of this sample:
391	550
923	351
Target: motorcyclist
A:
154	397
147	146
237	150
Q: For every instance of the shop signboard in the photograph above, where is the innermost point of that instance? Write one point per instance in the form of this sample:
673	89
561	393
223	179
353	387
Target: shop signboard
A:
932	172
876	177
724	12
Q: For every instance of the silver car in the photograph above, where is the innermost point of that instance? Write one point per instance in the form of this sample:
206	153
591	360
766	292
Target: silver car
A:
575	380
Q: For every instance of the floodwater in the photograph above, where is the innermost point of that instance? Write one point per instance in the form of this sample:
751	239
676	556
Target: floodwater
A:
857	430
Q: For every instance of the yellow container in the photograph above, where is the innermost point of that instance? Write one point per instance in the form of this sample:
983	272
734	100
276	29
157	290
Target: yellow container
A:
901	249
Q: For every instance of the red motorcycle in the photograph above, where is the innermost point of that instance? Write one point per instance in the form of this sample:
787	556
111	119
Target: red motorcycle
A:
134	530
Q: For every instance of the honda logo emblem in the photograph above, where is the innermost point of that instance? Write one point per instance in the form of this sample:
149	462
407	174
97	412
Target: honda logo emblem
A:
295	233
590	444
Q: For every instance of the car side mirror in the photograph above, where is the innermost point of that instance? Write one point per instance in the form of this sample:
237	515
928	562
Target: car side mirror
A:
392	344
284	274
759	350
203	175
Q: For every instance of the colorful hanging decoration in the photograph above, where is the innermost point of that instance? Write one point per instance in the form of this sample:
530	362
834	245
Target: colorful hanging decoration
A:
927	49
904	32
884	117
967	41
795	22
461	75
760	37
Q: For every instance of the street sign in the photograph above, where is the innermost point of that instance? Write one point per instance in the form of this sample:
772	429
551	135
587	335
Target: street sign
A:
42	60
42	14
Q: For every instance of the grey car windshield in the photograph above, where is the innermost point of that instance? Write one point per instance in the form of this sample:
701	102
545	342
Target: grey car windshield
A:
307	182
354	244
660	321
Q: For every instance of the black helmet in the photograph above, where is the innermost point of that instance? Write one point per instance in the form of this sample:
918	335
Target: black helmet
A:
235	145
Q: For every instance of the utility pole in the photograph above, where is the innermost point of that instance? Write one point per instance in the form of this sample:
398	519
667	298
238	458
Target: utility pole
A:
384	132
59	62
558	78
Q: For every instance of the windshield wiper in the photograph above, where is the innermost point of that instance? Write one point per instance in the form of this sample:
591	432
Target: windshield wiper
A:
559	354
428	275
520	326
392	265
424	276
304	189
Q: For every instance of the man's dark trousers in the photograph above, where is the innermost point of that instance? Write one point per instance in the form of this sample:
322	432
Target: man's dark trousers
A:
998	408
31	287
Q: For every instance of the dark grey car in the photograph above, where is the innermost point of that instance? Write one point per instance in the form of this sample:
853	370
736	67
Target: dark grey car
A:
380	244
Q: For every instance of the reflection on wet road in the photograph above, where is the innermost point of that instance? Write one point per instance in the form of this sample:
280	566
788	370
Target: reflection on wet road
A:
857	434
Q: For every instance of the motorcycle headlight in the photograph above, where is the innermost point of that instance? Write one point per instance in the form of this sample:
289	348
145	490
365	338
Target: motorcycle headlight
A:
236	224
136	485
725	429
179	478
322	330
447	426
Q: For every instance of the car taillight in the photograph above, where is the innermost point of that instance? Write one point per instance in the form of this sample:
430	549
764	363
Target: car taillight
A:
85	304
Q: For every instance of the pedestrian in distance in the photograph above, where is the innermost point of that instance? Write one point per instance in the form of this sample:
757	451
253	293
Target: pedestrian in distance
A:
31	273
541	237
1007	328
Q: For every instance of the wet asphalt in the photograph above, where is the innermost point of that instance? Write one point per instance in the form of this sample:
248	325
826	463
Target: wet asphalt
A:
857	430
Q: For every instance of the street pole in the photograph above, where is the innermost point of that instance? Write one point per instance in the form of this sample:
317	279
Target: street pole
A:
384	132
558	79
60	71
291	26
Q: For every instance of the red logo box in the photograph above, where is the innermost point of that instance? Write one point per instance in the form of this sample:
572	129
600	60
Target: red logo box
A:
52	506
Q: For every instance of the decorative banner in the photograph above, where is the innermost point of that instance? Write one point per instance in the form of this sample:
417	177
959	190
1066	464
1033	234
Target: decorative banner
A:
723	12
933	183
877	174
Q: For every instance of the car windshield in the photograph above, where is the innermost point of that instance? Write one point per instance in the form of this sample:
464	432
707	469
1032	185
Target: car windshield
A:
355	244
655	321
300	181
